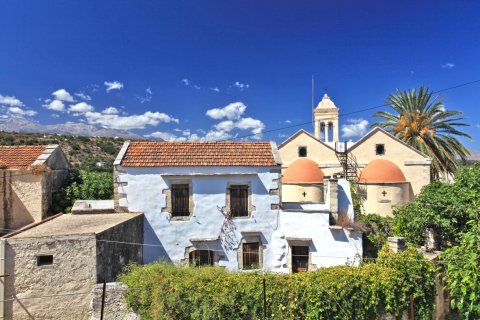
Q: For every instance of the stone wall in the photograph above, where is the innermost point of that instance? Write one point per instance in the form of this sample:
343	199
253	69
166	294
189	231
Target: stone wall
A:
50	291
115	307
115	248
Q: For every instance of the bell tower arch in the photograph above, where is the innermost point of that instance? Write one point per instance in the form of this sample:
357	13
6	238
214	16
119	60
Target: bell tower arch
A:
325	117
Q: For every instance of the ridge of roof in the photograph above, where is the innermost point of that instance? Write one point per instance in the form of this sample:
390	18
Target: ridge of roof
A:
198	153
293	136
376	129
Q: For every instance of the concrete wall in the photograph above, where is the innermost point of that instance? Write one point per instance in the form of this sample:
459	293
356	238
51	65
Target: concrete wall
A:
73	271
113	256
23	198
413	165
144	189
316	151
382	198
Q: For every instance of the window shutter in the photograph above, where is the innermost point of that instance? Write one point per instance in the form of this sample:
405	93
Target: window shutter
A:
239	201
180	200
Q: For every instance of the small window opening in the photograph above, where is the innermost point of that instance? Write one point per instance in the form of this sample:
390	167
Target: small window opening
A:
302	151
251	256
380	149
44	260
300	258
199	258
180	200
239	201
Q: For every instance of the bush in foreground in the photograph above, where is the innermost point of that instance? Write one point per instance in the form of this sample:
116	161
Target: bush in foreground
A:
165	291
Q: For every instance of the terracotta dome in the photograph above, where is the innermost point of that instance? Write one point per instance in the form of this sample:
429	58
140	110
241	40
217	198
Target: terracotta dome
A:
381	171
303	171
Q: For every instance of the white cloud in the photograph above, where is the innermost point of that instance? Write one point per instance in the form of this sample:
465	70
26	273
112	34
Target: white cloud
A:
447	65
10	101
63	95
287	121
147	97
21	112
255	125
116	121
233	111
83	96
186	82
80	107
355	128
110	110
227	125
114	85
283	135
189	83
216	89
240	86
55	105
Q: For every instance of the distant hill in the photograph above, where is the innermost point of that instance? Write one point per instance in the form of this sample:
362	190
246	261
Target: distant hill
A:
474	155
82	152
15	124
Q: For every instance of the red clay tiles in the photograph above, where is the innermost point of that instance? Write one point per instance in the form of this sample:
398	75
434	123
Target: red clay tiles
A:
186	154
19	157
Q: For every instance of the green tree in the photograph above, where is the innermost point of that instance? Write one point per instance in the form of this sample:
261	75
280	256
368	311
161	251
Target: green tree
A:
86	185
462	273
421	120
445	207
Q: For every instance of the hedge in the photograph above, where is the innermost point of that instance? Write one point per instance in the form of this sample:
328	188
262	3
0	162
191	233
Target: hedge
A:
166	291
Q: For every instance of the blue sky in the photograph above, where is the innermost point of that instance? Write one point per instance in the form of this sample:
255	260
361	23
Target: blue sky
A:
157	67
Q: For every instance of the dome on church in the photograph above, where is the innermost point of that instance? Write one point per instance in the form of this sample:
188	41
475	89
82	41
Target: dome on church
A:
381	171
326	103
303	170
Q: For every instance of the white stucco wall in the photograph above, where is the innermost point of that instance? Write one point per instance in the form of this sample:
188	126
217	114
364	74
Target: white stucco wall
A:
141	189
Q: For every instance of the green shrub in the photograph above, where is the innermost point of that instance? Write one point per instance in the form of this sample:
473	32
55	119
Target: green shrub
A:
376	229
165	291
461	273
445	207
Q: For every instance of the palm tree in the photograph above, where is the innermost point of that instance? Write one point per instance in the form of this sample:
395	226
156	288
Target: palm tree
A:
421	121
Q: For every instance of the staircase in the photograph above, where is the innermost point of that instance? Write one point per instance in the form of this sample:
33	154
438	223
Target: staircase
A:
347	160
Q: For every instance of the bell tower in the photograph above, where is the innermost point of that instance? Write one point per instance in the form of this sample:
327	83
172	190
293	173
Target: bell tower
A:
325	117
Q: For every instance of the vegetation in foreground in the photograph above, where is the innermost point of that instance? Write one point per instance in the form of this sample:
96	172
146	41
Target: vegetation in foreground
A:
165	291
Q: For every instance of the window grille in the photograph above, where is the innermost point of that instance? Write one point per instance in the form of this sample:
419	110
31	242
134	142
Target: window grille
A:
201	258
300	256
180	200
251	255
239	201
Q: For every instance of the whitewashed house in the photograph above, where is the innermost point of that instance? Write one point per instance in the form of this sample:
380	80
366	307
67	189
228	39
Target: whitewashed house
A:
219	203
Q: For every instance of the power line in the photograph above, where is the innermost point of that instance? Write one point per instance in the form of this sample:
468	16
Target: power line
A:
350	113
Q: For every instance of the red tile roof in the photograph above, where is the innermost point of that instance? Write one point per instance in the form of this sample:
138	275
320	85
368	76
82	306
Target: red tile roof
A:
186	154
19	157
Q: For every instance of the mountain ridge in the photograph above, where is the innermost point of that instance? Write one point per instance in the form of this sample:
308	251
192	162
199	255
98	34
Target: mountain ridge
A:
17	124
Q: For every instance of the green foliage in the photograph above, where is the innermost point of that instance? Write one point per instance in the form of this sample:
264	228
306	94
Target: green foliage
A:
445	207
165	291
461	273
421	120
83	184
376	229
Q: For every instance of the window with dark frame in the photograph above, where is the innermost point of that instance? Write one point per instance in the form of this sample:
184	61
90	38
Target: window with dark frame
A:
300	258
180	200
380	149
44	260
239	201
199	258
251	255
302	152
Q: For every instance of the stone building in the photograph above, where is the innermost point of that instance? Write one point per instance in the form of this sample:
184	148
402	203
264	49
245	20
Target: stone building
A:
28	177
391	172
219	203
53	266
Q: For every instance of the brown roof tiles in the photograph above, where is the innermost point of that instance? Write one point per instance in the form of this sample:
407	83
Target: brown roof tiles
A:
19	157
183	154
